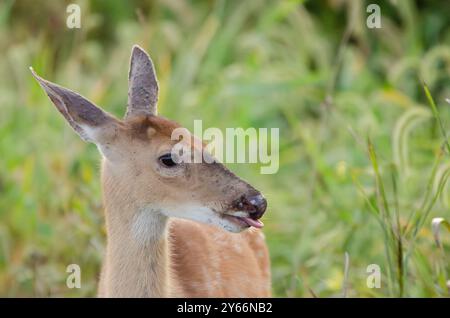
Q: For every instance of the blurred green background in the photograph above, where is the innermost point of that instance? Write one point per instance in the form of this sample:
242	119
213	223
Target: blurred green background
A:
311	68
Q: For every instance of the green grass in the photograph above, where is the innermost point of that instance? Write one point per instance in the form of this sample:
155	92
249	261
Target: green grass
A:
364	156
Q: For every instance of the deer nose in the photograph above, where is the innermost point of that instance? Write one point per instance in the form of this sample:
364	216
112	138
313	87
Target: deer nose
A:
255	205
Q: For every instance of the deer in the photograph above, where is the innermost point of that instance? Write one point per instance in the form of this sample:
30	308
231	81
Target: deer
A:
172	229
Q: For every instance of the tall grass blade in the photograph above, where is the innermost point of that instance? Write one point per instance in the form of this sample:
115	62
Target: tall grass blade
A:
346	270
436	115
436	224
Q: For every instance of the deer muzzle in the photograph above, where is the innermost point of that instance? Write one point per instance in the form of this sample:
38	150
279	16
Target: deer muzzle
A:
254	205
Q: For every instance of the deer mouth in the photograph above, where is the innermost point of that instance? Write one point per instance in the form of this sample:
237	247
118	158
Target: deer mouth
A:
245	221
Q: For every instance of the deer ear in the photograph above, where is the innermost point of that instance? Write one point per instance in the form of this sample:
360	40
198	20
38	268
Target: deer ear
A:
142	84
89	121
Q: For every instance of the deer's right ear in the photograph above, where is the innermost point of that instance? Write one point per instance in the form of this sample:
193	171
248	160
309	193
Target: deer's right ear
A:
89	121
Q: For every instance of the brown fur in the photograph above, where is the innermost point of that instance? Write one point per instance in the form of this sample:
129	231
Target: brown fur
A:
152	250
225	265
187	259
139	125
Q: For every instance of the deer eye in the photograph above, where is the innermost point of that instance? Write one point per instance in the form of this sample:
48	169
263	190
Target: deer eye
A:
167	161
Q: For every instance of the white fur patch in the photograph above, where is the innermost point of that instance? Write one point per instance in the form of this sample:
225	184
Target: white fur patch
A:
147	225
89	132
201	214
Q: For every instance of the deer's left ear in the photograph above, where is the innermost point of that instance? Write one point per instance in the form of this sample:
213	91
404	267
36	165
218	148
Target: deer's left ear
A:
142	84
89	121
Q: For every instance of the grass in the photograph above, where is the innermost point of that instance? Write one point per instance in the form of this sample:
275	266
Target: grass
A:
364	155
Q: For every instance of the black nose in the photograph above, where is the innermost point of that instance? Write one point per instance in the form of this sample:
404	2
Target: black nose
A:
255	205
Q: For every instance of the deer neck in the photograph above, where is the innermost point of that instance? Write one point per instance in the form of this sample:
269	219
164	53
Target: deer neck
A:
136	262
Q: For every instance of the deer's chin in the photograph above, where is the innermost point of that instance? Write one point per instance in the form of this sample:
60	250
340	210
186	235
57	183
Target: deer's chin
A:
232	224
201	214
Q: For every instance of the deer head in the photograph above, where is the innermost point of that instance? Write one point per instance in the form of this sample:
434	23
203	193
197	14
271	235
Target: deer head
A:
138	167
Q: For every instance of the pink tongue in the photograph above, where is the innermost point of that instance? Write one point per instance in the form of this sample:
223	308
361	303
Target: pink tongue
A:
255	223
